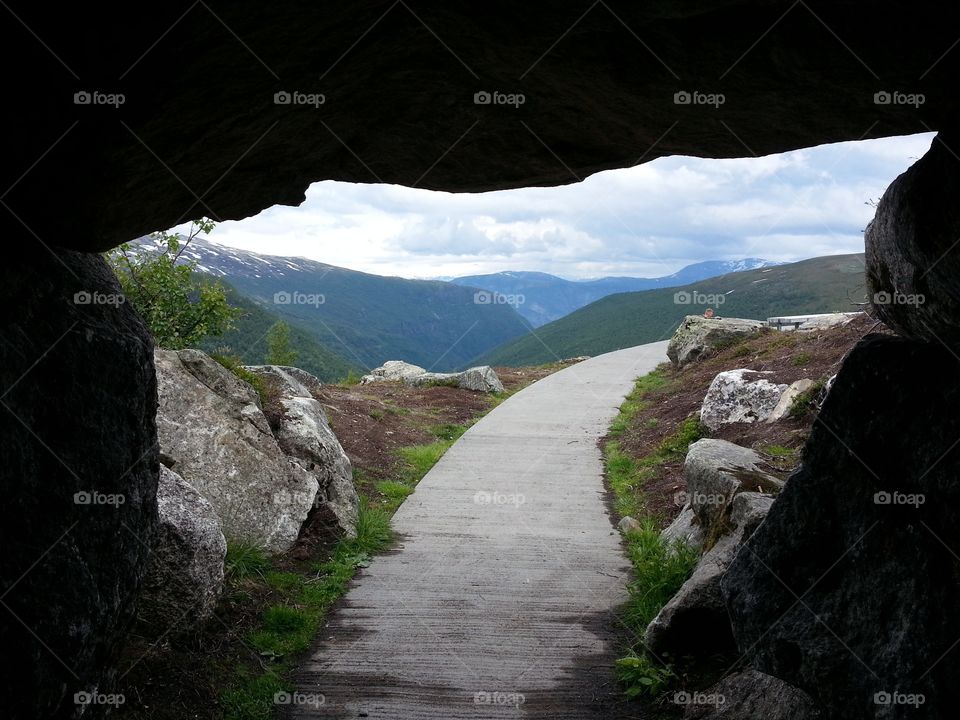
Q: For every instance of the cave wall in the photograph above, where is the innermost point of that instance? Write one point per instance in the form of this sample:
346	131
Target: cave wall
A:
78	478
199	132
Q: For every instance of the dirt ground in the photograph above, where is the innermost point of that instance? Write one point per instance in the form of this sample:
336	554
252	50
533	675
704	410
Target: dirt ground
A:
788	355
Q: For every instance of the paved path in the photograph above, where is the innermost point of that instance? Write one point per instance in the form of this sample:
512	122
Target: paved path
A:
506	577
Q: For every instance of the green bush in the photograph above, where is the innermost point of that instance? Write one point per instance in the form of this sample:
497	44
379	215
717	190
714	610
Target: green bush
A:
179	308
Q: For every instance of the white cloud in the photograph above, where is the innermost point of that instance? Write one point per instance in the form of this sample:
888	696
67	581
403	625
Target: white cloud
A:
647	220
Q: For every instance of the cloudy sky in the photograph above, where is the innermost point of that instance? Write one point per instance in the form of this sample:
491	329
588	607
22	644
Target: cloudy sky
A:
648	220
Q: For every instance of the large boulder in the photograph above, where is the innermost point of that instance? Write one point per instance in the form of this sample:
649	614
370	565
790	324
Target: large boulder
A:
303	431
851	580
185	575
740	396
480	379
78	475
911	258
304	434
214	434
292	381
695	619
716	471
698	335
685	529
788	398
748	695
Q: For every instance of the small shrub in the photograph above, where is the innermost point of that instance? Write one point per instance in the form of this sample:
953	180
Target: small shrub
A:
802	359
640	675
807	400
351	379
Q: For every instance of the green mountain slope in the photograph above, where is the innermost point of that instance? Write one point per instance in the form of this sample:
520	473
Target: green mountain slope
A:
824	284
366	319
248	341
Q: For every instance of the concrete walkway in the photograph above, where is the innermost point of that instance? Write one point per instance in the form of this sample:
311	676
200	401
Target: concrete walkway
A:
498	601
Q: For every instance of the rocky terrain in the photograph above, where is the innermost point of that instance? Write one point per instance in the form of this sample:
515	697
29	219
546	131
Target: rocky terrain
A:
754	397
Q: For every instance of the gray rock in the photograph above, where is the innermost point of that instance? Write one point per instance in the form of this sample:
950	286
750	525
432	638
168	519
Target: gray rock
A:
628	524
78	474
479	379
911	263
395	370
749	695
716	471
185	573
304	433
292	381
685	528
695	619
698	335
740	396
211	427
785	402
865	533
831	320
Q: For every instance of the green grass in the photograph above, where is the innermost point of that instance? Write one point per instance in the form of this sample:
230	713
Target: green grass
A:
802	359
245	560
394	490
778	451
658	569
300	603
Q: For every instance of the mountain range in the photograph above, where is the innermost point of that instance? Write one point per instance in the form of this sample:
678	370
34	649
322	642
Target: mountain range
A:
362	318
825	284
542	298
346	321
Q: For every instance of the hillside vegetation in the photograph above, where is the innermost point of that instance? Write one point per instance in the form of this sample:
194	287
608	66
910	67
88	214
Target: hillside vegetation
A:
365	319
248	341
542	298
825	284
